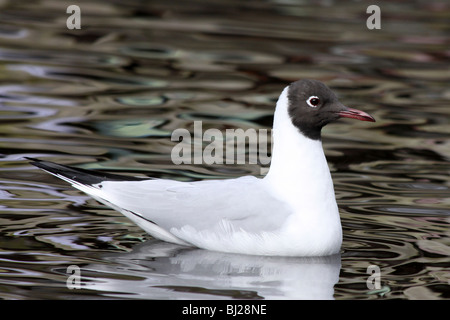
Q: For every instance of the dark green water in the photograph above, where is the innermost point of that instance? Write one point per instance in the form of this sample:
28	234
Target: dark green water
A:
109	95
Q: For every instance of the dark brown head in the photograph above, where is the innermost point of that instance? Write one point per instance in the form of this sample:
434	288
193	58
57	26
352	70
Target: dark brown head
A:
312	105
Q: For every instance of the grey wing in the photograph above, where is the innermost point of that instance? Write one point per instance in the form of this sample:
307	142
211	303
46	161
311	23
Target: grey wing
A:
244	202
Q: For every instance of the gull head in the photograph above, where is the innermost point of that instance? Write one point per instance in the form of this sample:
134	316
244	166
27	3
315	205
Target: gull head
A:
312	105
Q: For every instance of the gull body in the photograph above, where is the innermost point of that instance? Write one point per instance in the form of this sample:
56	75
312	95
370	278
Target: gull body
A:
292	211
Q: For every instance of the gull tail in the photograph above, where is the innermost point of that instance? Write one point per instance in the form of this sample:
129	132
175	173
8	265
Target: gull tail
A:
91	182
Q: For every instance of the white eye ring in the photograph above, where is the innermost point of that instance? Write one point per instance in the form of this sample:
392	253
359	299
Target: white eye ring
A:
313	103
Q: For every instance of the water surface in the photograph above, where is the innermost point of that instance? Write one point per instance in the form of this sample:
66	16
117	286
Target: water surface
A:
108	97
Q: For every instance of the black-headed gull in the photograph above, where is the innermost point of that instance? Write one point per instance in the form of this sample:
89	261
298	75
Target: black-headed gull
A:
292	211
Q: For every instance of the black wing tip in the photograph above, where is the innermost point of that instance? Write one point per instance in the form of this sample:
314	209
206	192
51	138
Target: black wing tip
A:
38	162
33	160
43	164
83	176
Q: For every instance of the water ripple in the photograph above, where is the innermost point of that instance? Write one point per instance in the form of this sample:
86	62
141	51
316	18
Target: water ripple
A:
109	95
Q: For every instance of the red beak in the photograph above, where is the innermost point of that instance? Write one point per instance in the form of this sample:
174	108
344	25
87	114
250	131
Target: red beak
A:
356	114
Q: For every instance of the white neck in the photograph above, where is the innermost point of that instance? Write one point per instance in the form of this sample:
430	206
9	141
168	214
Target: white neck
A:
299	171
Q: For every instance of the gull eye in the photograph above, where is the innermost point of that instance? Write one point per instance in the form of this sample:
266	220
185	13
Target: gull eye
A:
313	101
